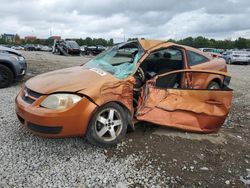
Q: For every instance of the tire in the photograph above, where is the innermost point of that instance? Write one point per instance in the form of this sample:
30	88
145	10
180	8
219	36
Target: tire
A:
6	76
107	126
213	85
229	62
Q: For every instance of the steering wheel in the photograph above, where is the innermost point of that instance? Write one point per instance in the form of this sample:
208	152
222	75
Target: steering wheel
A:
140	75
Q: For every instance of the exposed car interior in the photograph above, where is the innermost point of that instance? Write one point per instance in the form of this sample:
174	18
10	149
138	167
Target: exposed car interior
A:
161	61
157	63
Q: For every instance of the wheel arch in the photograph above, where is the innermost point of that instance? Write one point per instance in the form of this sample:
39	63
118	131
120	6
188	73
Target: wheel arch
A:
10	66
128	112
216	80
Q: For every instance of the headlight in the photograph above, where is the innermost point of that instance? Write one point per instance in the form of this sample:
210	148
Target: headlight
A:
60	101
21	58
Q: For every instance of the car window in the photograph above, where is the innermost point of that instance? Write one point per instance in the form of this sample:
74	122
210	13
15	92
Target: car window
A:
169	53
195	58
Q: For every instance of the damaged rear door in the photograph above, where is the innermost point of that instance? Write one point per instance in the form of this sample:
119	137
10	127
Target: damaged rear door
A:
175	100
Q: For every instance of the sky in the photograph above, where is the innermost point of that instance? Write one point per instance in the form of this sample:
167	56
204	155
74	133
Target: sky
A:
119	19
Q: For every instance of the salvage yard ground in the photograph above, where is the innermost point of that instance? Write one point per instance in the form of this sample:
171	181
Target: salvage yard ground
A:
151	155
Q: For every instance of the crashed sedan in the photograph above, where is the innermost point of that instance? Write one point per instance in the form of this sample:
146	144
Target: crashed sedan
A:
143	80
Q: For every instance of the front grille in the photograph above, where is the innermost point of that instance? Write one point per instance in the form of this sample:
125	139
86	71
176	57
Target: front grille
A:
44	129
33	93
28	99
30	96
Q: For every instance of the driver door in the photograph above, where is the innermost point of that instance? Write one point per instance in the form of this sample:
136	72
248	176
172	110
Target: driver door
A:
185	105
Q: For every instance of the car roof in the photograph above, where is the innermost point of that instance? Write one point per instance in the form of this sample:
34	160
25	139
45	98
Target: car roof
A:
148	44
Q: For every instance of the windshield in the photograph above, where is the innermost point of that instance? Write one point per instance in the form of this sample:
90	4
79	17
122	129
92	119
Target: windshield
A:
72	44
120	61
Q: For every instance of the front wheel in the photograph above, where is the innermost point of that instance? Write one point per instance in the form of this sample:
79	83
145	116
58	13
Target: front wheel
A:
6	76
108	125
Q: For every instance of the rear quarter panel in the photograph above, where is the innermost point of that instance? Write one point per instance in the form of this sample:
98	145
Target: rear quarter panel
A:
202	81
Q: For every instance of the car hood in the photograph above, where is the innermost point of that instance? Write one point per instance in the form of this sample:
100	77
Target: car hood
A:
10	50
75	79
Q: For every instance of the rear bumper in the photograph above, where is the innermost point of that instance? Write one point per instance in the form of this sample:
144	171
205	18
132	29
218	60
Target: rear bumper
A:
240	60
54	123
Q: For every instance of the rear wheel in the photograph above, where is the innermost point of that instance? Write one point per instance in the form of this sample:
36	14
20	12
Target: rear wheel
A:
107	126
6	76
213	85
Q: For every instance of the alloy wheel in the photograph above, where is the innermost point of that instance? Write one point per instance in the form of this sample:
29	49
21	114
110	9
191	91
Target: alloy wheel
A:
108	124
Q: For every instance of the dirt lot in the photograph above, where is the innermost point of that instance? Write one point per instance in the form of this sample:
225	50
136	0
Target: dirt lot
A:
171	157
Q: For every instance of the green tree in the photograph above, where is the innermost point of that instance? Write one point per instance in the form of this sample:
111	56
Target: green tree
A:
189	41
88	41
111	42
240	43
201	42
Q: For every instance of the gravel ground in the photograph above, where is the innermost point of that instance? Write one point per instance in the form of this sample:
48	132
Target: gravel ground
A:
143	159
31	161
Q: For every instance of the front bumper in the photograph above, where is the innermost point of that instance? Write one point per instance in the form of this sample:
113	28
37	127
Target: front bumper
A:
53	123
21	72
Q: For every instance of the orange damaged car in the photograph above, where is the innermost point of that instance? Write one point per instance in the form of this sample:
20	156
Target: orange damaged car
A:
142	80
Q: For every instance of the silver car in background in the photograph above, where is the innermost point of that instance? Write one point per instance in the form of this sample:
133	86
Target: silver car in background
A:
237	57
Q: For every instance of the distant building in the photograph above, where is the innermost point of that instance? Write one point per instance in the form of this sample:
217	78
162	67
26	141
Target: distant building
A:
55	37
8	37
30	38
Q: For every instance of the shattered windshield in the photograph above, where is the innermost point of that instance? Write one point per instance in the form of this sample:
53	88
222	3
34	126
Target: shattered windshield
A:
120	61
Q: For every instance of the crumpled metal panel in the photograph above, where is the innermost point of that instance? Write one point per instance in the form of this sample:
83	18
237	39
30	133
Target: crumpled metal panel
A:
120	91
193	110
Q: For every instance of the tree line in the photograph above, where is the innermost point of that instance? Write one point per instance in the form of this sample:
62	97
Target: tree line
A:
87	41
202	42
196	42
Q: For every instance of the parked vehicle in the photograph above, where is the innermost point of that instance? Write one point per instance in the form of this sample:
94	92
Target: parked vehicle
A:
29	47
83	49
142	80
12	66
67	47
37	47
212	50
237	57
94	50
17	47
207	50
46	49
